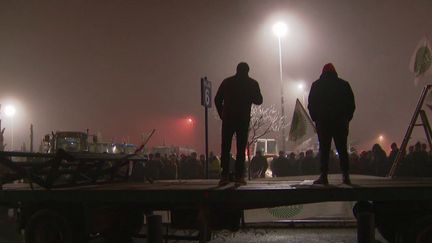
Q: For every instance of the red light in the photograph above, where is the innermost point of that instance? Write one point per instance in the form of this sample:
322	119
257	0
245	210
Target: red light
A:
190	121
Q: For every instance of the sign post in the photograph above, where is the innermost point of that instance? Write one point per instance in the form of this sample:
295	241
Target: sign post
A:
206	100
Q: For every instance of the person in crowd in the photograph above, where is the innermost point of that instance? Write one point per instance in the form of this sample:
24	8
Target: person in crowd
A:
169	168
409	157
331	106
138	172
233	101
364	161
194	167
214	166
279	164
379	162
258	165
308	165
290	168
202	160
393	152
153	166
182	167
419	160
354	162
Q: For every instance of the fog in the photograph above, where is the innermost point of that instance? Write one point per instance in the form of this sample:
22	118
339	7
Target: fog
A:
122	68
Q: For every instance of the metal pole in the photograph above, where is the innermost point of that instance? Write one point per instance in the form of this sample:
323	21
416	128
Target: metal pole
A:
282	94
12	134
31	138
206	143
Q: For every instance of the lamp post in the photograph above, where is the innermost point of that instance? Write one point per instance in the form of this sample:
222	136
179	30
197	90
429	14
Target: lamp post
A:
10	112
280	30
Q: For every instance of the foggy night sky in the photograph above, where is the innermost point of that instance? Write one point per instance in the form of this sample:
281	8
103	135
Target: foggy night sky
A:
125	67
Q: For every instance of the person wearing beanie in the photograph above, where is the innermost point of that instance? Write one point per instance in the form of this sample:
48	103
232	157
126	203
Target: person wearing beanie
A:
331	106
233	101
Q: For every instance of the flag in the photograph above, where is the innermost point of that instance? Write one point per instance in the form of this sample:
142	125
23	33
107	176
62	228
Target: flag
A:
302	126
421	60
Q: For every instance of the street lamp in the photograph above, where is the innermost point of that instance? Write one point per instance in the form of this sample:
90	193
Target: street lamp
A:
189	121
10	112
380	138
280	29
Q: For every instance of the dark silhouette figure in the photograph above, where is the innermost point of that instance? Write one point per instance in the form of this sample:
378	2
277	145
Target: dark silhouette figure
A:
379	161
393	153
279	165
153	166
258	165
233	101
331	106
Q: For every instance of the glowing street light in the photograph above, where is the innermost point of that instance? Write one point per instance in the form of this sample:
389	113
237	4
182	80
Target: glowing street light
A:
380	138
189	121
301	88
280	29
10	112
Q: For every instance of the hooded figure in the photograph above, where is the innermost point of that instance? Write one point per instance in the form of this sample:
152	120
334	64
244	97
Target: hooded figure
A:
331	106
233	101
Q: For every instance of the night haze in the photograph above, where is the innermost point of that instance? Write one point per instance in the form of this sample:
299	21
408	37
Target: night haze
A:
122	68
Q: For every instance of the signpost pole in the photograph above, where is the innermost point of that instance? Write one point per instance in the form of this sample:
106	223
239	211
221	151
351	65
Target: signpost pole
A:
206	102
206	144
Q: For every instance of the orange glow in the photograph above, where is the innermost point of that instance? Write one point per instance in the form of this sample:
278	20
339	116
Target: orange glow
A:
190	121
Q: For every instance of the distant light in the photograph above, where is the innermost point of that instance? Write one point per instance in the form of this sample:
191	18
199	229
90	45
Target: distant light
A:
380	138
9	110
280	29
189	120
300	86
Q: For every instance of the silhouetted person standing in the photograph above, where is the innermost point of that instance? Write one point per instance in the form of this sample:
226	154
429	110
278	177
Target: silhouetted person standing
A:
233	101
331	106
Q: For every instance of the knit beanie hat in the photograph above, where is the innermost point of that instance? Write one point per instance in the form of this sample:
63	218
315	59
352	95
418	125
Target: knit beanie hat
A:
329	68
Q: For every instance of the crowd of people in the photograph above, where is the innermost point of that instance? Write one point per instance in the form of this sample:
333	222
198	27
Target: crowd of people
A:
417	161
170	167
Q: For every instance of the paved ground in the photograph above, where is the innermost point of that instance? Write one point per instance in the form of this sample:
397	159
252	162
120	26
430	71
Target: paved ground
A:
9	234
316	235
296	235
256	236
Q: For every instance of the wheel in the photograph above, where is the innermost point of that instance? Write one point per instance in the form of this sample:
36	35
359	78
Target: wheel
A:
48	226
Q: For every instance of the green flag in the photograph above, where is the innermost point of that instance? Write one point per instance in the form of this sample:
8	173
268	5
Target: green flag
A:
421	60
301	125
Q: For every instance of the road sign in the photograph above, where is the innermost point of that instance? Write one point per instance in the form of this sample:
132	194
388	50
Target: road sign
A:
206	96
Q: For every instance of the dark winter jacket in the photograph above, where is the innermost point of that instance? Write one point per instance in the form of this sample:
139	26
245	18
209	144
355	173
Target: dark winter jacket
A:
235	96
331	99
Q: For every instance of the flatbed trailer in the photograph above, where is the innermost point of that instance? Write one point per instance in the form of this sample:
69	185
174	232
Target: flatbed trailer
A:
402	208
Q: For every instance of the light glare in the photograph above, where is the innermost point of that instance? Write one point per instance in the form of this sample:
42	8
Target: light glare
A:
300	86
280	29
9	110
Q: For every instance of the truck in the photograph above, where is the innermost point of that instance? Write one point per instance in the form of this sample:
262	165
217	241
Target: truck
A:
67	140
